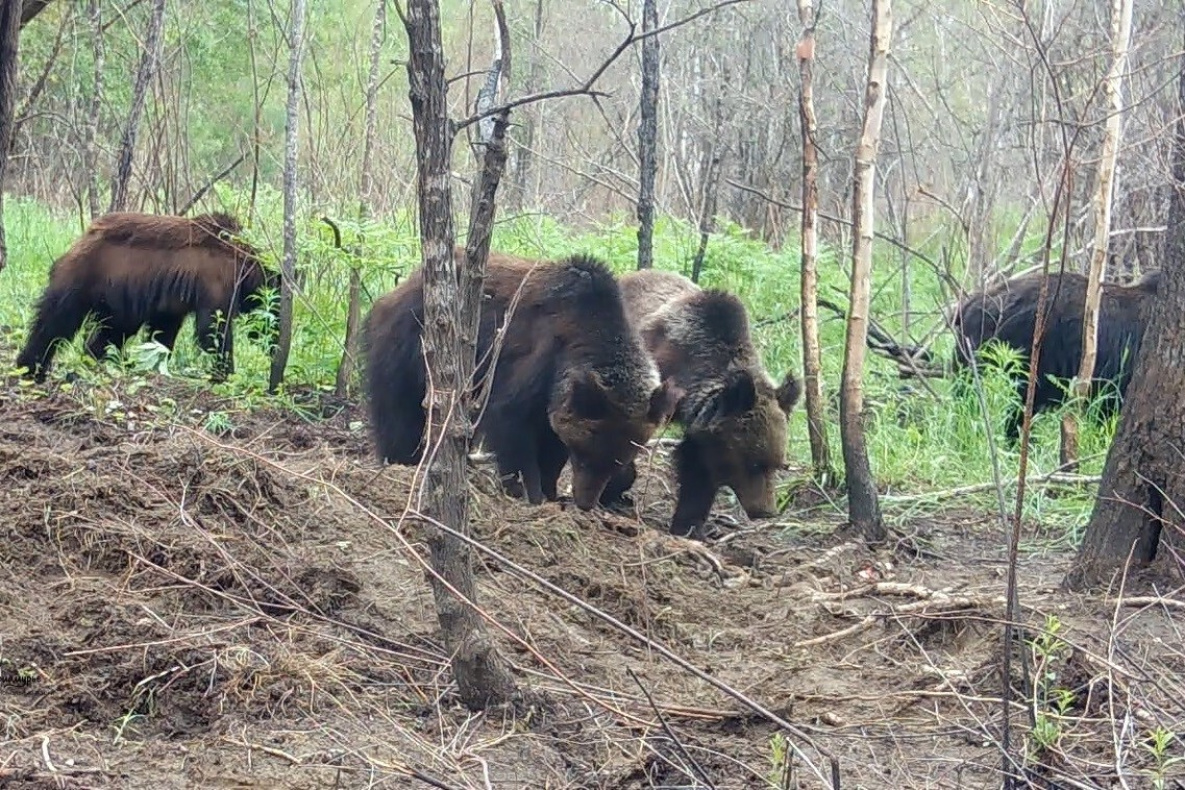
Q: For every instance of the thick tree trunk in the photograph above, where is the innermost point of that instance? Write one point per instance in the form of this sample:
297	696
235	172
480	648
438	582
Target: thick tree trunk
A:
291	151
1142	493
863	504
90	152
127	147
812	355
481	674
10	34
345	370
648	136
1121	27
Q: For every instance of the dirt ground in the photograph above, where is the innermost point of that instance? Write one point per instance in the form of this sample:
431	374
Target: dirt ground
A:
184	609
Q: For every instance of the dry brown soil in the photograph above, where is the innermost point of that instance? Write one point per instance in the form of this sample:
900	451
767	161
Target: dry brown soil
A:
184	609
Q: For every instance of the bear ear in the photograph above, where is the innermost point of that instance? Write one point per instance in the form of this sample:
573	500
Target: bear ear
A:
663	401
588	397
788	393
738	395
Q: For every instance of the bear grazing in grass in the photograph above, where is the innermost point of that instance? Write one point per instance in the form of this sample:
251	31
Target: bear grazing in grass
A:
733	415
130	269
571	381
1008	313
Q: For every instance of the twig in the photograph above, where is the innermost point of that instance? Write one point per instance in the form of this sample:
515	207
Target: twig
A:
1052	478
939	602
1148	600
670	733
226	171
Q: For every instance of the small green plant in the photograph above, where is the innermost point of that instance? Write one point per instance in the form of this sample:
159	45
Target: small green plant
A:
1051	702
150	357
1157	745
780	764
218	423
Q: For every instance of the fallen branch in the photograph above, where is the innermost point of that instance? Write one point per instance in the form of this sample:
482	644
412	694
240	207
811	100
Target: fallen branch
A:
936	603
1050	479
909	359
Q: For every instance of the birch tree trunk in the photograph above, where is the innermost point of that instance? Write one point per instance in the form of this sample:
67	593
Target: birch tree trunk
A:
1121	28
291	150
1137	514
481	674
863	504
345	370
812	356
648	136
91	134
10	34
127	146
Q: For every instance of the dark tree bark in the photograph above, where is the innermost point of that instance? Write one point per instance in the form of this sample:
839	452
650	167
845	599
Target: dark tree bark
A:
648	136
1137	514
345	370
90	152
481	674
127	147
10	34
291	151
863	503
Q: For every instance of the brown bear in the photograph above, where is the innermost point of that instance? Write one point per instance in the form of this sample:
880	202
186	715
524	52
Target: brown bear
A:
1008	313
130	269
732	414
571	381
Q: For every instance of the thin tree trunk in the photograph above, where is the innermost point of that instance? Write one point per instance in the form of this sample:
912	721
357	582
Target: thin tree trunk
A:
481	675
812	356
345	370
291	150
91	134
256	128
10	35
863	504
1142	492
648	136
709	191
127	147
1121	27
523	193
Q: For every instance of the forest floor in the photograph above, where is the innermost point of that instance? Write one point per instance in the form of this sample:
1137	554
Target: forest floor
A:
185	609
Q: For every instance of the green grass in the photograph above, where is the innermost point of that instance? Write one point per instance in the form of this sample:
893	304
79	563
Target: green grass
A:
918	441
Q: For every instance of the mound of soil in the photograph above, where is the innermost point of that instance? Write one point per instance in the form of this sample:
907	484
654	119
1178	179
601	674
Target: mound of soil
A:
184	609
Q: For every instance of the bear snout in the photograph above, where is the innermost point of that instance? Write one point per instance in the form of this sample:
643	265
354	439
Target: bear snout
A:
587	488
759	501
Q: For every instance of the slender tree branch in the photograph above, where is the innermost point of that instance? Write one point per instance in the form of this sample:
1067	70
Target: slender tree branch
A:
586	88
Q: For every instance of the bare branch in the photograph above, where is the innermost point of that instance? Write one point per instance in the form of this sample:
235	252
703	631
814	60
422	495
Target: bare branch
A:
586	88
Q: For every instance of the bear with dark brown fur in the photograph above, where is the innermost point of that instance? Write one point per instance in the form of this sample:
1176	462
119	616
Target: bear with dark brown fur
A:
732	414
571	380
1008	313
130	269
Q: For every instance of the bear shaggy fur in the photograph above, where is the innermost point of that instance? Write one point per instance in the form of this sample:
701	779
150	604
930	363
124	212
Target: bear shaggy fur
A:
130	269
571	381
732	414
1008	313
